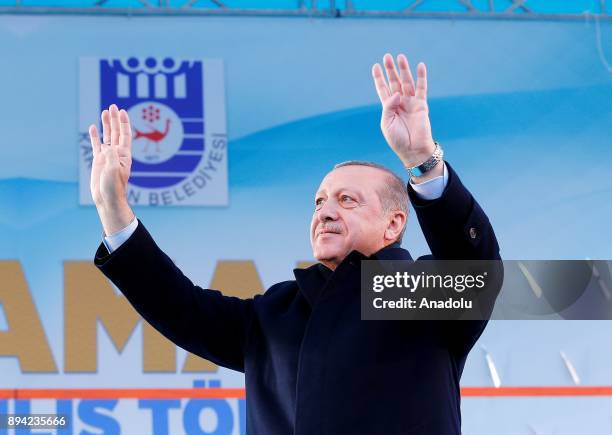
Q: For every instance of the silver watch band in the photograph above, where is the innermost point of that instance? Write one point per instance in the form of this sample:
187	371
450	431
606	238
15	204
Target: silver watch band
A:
428	165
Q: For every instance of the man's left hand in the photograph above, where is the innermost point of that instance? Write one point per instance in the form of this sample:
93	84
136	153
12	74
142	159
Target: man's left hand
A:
405	114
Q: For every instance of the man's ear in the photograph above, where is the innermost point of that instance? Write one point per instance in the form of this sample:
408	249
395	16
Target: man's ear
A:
396	223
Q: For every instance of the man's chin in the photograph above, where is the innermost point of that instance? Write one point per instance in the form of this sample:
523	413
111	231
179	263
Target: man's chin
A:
328	253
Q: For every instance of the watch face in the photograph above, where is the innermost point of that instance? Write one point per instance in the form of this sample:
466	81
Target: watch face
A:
433	160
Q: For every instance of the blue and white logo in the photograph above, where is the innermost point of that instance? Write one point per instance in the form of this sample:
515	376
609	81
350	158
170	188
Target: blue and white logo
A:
177	111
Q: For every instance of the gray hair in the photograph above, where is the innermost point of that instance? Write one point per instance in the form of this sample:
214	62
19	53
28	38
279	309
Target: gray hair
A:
393	195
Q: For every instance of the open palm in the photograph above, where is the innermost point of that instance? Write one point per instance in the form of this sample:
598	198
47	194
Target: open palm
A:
405	114
112	159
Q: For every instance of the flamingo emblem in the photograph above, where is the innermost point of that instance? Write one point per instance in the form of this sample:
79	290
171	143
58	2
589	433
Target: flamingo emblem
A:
153	135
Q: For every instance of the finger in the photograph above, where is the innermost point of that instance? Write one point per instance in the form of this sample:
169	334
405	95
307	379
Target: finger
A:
421	86
125	130
390	108
114	121
405	76
94	139
106	127
392	103
379	82
394	81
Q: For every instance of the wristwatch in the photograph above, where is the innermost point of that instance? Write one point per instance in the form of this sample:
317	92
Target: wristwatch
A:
428	165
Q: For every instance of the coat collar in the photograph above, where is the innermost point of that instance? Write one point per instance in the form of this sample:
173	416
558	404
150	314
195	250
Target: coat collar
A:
311	281
392	252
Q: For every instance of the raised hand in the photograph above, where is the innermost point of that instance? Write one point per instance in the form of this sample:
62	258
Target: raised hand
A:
110	170
405	114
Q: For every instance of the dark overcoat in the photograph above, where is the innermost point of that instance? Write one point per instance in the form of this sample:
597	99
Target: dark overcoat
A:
311	365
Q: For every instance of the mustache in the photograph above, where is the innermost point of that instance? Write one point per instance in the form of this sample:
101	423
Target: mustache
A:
329	227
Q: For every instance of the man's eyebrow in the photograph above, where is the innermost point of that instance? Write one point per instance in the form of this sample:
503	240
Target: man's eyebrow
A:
351	190
341	190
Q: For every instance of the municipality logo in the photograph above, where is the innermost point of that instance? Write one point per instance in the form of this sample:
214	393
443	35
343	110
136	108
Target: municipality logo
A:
177	111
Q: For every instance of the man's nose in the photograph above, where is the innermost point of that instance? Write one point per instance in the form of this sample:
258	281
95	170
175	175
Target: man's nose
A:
328	211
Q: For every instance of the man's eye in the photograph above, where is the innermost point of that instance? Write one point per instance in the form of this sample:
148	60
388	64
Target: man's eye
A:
348	202
318	203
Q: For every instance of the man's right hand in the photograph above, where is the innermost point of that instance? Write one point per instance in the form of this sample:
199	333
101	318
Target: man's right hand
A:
110	169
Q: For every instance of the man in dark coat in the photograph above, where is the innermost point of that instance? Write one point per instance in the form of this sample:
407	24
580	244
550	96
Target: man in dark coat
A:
311	365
